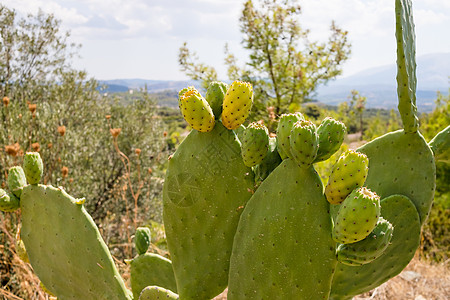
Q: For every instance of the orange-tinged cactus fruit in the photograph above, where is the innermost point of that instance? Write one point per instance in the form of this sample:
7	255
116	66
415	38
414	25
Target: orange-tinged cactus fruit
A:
237	104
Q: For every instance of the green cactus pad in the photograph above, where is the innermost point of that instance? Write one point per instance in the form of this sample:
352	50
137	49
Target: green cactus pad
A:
237	104
406	65
283	247
16	180
402	163
65	247
331	135
349	281
349	172
269	163
304	143
142	239
33	167
8	201
151	269
357	216
254	144
196	111
369	249
440	145
206	187
21	251
156	293
214	95
284	131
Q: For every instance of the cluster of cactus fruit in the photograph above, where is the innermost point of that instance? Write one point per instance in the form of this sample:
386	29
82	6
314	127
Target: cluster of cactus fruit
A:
248	211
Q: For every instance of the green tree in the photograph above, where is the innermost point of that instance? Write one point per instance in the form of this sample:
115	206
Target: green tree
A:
357	107
284	65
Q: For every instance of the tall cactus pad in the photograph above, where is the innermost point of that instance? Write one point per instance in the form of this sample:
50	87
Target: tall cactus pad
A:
196	111
142	239
214	95
357	216
151	269
156	293
406	65
237	104
284	131
304	143
402	164
331	135
440	145
33	167
254	144
16	180
369	249
8	201
349	281
283	247
349	172
65	247
206	187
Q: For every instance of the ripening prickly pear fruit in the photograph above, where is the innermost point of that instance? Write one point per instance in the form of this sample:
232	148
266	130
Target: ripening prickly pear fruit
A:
8	201
16	180
184	90
368	249
196	111
304	143
142	239
33	167
331	135
237	104
349	172
214	95
357	216
284	131
254	144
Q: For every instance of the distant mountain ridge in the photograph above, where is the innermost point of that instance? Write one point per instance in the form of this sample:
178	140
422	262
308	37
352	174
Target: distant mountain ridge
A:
377	84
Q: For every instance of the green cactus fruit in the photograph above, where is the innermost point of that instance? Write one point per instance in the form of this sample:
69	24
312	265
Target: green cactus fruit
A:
357	216
196	111
304	143
402	163
21	251
65	247
8	201
269	163
284	131
440	145
143	239
237	104
16	180
331	135
283	247
151	269
33	167
205	189
214	95
369	249
349	172
349	281
156	292
254	144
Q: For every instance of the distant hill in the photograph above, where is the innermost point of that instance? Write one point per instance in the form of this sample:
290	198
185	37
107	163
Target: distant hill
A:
377	84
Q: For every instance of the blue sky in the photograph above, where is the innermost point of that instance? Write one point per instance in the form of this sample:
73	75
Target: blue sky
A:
141	38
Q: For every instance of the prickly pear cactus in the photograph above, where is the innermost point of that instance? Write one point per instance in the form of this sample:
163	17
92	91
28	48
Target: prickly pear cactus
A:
304	143
440	145
142	239
8	201
156	292
331	135
16	180
254	144
214	96
237	104
284	131
33	167
196	110
206	187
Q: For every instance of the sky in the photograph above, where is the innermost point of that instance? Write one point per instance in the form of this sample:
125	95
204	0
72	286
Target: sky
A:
141	38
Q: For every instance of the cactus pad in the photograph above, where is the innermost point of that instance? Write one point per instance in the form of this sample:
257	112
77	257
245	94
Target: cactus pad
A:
237	104
156	293
331	135
440	145
273	256
8	201
254	144
151	269
65	247
349	281
33	167
206	187
196	111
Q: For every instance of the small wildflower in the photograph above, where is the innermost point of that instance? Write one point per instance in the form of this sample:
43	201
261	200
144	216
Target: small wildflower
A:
36	147
64	172
20	116
108	117
71	180
32	108
165	133
62	130
115	132
13	149
150	171
6	101
137	151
